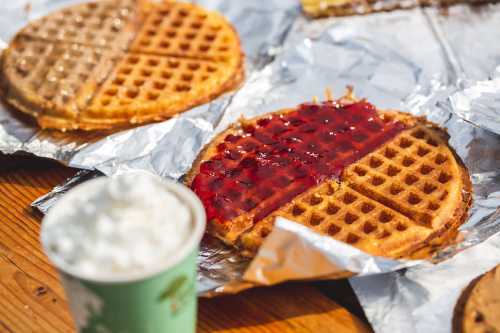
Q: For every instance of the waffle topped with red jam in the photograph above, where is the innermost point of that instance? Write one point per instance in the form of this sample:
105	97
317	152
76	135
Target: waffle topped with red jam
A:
258	169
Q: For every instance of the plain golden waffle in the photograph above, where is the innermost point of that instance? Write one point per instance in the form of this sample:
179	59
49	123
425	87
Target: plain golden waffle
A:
87	67
408	194
478	308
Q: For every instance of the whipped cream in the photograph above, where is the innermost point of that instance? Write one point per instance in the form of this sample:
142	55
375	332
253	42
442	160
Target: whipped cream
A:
128	223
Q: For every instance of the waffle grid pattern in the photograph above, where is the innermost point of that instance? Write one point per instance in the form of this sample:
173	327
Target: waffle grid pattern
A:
161	81
186	31
346	215
146	78
54	72
410	174
388	203
95	24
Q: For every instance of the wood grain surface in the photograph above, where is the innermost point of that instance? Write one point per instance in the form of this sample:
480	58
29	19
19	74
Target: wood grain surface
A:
32	300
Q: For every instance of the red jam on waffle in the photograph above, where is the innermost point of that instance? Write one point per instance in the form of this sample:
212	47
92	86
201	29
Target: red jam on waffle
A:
268	164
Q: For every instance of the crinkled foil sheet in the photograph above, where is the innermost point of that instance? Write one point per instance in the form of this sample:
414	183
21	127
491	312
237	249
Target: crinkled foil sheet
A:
423	298
415	60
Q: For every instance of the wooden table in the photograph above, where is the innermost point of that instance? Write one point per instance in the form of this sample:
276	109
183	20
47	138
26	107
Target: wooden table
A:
32	300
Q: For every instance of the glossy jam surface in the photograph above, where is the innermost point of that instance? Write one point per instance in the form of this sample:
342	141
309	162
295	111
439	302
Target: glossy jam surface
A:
274	160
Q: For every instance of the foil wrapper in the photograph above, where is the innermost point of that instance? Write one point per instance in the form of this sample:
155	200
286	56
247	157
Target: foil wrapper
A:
409	60
479	103
423	298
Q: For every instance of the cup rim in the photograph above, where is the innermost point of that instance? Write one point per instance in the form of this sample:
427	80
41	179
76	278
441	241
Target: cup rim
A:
185	194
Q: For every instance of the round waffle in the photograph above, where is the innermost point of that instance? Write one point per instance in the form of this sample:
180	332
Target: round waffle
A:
478	308
112	64
382	181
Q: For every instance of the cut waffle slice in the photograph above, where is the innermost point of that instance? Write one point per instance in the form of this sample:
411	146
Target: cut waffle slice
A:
188	31
339	211
107	23
342	199
145	88
418	175
53	82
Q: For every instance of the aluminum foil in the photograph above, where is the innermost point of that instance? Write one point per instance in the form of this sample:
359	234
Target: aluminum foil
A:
479	102
469	36
407	60
422	299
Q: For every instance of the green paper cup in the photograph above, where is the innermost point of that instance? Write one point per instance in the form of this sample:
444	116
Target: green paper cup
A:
163	299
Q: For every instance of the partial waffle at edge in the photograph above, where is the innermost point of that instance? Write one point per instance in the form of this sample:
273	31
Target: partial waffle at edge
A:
106	24
53	82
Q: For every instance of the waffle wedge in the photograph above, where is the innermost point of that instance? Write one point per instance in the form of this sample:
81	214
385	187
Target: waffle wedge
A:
390	186
89	67
53	82
144	88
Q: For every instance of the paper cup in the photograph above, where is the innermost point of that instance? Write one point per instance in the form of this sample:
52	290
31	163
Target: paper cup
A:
162	299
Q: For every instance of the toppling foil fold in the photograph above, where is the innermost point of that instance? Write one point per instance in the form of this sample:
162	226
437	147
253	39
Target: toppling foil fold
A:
295	252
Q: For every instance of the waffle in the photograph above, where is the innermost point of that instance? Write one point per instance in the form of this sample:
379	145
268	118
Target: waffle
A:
105	65
478	307
323	8
393	199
